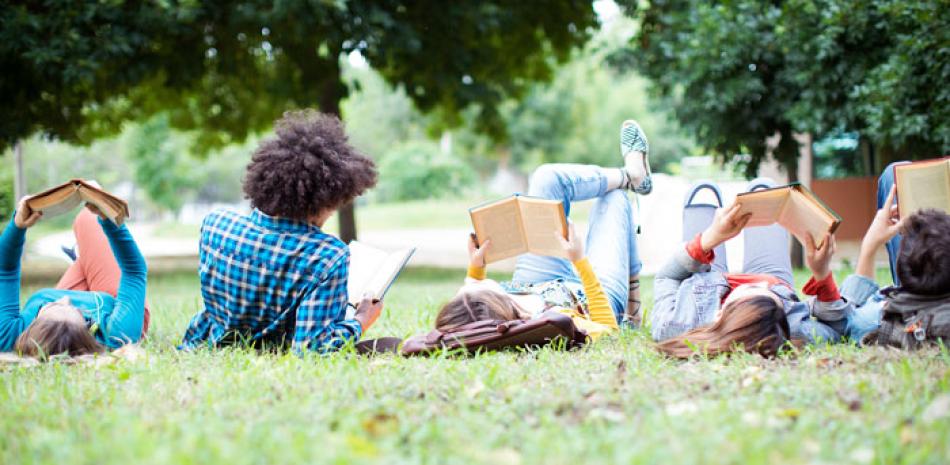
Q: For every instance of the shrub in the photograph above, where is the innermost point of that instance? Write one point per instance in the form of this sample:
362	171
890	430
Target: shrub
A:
419	170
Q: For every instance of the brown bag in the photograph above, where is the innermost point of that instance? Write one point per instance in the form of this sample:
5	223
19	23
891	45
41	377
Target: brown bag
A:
489	335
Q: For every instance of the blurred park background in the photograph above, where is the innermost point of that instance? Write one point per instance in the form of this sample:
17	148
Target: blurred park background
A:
457	103
163	102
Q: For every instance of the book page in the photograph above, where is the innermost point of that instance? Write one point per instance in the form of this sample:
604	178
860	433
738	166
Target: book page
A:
765	205
57	201
373	270
921	186
543	222
804	216
500	222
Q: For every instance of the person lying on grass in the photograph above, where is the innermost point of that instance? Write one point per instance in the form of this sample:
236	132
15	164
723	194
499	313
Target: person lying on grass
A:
98	304
699	307
593	290
918	248
273	277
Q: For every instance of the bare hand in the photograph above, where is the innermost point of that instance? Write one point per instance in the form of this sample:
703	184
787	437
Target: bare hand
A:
368	311
886	224
476	252
25	216
726	224
818	259
572	245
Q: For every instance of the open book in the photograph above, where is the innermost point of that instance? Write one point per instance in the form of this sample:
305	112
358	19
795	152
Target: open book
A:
520	224
925	184
373	270
794	207
65	197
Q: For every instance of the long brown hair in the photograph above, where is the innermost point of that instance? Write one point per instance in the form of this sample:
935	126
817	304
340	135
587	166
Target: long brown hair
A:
756	324
46	337
469	307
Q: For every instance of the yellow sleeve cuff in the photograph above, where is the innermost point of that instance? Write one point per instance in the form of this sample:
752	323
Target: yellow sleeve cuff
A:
477	272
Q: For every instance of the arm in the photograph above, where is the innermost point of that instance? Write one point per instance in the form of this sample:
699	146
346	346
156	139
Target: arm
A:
686	261
476	259
124	325
322	325
597	303
11	250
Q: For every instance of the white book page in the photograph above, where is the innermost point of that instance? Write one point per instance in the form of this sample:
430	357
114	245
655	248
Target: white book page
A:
67	205
926	186
802	217
543	223
765	206
500	223
373	270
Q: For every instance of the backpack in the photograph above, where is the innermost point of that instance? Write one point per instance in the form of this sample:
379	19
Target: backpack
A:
488	335
910	321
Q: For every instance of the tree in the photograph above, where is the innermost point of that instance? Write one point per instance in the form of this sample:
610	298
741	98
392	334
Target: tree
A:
229	68
739	72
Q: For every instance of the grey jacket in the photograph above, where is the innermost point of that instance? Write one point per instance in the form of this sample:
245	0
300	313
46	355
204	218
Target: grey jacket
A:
687	294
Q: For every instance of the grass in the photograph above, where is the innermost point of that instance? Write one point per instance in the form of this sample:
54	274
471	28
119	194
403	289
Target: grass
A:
613	402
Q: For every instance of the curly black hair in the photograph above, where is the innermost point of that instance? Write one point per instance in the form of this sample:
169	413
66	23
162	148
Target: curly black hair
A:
307	169
923	263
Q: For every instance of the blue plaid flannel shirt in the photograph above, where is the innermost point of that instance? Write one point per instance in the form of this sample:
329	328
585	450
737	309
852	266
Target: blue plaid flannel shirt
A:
264	277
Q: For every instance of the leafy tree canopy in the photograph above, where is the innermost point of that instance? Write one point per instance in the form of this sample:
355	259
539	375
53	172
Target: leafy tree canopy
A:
78	70
738	72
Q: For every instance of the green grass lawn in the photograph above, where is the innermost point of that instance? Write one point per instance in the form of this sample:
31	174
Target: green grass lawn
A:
615	402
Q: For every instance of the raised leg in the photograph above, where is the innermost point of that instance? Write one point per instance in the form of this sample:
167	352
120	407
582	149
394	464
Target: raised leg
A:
96	268
766	247
697	216
612	247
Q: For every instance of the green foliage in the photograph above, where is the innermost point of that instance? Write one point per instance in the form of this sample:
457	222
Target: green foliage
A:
576	117
419	170
162	165
739	72
7	200
229	68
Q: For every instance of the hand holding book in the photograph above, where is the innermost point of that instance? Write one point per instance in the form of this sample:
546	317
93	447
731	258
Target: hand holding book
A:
26	217
727	223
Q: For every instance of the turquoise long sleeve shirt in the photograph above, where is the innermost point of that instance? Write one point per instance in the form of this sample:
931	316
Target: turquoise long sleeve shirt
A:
117	320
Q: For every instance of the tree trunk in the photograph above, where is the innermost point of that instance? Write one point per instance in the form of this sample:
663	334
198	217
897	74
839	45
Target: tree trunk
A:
330	96
19	179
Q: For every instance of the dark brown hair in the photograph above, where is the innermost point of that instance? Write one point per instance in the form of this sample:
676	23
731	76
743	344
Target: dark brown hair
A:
756	324
45	337
923	263
469	307
308	169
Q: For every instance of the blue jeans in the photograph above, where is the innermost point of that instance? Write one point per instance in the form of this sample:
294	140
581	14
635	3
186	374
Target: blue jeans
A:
765	248
611	242
893	246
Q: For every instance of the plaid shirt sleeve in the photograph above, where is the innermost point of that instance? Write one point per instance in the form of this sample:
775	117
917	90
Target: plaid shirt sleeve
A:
321	318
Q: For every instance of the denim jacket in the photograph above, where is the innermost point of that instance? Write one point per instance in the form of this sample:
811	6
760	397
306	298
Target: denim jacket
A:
687	295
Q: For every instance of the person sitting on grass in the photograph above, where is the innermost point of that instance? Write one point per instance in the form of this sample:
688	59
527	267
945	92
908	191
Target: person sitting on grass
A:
98	304
701	308
918	248
595	289
274	277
